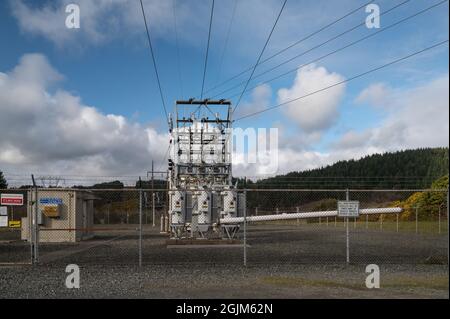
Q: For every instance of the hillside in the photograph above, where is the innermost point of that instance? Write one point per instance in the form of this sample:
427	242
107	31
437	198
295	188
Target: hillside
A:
403	169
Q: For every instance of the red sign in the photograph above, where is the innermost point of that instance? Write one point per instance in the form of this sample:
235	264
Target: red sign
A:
11	199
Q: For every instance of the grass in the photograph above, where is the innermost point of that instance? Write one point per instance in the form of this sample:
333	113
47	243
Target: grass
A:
433	282
439	282
302	282
424	227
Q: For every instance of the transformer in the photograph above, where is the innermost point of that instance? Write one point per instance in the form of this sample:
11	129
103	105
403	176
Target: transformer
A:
200	174
230	210
201	213
177	211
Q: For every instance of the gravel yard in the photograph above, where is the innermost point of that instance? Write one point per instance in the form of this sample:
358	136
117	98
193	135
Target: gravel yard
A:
283	261
225	281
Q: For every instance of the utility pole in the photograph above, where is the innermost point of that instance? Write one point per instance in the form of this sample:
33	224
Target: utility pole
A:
151	176
347	198
153	183
140	222
153	194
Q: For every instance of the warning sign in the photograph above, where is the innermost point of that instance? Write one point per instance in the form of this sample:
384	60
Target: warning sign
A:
348	208
51	200
14	224
11	199
51	211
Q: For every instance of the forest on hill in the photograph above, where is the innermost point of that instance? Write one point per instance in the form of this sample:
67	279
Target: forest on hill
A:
417	168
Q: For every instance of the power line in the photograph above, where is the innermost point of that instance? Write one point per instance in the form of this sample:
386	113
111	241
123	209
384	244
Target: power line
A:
312	49
337	50
260	55
291	45
207	48
154	62
345	81
177	45
227	38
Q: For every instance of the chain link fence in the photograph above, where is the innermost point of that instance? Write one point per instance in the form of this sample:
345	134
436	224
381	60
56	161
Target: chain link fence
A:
13	250
417	235
130	226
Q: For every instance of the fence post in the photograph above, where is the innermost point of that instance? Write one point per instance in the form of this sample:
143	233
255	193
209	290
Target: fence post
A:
354	222
347	232
367	221
31	227
335	221
297	210
34	221
109	208
30	224
417	219
327	221
153	209
448	228
245	228
381	221
397	221
146	206
140	222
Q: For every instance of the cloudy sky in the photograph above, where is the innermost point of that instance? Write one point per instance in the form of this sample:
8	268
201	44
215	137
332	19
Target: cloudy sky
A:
86	101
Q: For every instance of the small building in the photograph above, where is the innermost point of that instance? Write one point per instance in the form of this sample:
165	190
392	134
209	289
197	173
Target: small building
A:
64	215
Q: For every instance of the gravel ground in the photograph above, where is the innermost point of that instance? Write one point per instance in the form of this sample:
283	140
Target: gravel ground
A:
225	281
277	244
283	261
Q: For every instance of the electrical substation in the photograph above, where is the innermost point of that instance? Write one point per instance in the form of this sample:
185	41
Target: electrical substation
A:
203	202
200	171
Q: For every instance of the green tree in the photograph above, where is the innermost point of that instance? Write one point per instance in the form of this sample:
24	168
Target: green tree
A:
3	183
428	203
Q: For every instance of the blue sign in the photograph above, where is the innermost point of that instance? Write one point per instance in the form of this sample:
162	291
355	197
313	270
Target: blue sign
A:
49	200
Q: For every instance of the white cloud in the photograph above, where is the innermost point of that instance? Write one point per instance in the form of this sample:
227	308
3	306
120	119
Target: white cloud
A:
374	94
260	100
290	160
318	112
414	117
55	132
100	20
351	140
104	20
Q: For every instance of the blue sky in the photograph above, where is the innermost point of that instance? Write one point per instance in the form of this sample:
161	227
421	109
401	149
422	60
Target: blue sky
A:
106	64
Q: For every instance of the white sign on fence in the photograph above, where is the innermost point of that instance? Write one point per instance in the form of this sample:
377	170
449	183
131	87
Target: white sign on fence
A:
3	221
348	208
3	216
